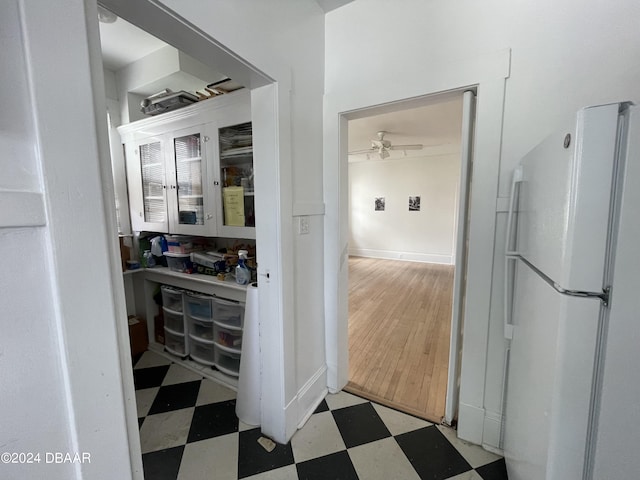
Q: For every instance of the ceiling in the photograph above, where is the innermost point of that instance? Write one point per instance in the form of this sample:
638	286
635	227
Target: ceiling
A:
435	125
123	43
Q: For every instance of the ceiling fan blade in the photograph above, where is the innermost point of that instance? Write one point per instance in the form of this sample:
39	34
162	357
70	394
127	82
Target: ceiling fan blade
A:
406	147
358	152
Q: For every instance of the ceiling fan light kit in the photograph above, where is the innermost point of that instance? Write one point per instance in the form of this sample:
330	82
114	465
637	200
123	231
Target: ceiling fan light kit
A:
382	147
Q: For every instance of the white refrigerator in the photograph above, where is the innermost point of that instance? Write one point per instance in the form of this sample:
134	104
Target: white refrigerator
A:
572	240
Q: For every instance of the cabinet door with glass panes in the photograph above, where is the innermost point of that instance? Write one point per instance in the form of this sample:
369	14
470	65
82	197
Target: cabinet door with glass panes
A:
169	190
235	153
146	175
190	197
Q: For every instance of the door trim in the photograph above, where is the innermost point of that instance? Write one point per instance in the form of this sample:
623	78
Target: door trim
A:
460	249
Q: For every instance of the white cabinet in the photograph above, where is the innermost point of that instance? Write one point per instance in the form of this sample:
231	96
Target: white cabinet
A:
190	171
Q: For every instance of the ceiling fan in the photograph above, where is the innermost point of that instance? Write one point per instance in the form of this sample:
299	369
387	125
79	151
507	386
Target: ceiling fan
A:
382	146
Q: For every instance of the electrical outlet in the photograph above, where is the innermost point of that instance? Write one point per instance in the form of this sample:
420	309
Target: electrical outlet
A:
303	225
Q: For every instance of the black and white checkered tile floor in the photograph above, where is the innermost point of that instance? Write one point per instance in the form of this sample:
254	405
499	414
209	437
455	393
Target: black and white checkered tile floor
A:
189	431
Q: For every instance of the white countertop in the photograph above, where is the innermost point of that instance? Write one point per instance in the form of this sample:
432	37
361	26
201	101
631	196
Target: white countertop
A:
229	281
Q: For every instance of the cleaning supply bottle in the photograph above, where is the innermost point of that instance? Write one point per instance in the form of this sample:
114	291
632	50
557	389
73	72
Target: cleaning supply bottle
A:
243	275
149	261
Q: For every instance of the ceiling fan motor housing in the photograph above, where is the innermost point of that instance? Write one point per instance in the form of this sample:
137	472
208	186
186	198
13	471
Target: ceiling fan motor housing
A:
382	146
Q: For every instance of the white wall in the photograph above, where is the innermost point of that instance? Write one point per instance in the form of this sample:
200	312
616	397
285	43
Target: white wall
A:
285	40
62	390
563	56
396	233
110	85
164	68
31	348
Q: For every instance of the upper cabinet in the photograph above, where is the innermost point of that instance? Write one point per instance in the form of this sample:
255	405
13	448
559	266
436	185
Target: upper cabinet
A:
236	203
190	171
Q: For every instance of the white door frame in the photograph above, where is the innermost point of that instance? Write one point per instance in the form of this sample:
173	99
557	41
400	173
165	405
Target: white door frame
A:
488	74
460	222
460	256
269	99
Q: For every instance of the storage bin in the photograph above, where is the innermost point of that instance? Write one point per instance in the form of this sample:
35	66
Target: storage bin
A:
171	298
202	352
201	328
179	262
230	339
227	362
174	343
179	243
173	321
198	305
228	312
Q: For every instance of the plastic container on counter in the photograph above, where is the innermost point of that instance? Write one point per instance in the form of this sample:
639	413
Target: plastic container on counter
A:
179	262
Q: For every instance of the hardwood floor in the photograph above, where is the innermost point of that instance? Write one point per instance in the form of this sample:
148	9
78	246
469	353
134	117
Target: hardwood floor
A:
399	324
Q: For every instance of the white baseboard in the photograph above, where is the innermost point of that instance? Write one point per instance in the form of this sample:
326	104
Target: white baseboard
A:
311	395
403	256
471	423
302	406
476	425
491	432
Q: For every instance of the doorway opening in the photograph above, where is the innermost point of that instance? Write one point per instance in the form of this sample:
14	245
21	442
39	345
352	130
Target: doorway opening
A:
204	54
408	186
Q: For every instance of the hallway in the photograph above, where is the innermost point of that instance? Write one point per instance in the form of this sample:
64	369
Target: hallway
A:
399	324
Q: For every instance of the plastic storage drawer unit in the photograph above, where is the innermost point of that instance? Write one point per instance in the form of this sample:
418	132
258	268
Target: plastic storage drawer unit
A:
171	298
202	352
200	328
173	321
198	305
228	312
174	343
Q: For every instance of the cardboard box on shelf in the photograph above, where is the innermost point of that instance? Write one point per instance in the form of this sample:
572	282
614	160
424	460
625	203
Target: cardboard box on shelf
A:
138	339
158	324
125	250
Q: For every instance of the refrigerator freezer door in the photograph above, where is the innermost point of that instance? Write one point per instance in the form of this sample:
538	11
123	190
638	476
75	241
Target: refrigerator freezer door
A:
616	454
565	194
549	379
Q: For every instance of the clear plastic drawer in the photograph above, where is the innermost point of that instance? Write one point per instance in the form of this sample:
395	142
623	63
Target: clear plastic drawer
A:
228	312
171	298
227	338
201	328
198	305
174	343
227	362
202	352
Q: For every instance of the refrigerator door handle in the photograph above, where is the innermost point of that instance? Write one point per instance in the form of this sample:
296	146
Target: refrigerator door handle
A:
508	296
517	178
510	256
603	296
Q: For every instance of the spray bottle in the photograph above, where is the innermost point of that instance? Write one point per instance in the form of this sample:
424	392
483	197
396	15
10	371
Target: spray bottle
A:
243	275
